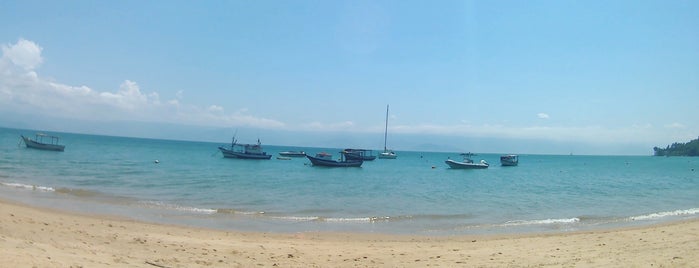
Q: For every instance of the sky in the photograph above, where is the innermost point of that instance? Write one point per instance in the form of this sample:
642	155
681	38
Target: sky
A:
549	77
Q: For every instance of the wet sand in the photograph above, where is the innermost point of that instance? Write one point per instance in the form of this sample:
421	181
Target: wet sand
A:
37	237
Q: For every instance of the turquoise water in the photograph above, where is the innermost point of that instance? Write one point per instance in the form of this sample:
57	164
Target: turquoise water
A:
415	194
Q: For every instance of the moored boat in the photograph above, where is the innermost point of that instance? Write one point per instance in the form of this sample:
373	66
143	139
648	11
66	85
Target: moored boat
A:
467	163
293	153
386	154
39	143
325	160
244	151
509	160
358	154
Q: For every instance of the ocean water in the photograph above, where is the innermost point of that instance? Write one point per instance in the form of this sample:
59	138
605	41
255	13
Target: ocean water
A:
416	193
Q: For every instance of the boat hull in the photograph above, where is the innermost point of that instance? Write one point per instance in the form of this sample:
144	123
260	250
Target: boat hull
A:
227	153
292	154
332	163
42	146
388	155
462	165
508	163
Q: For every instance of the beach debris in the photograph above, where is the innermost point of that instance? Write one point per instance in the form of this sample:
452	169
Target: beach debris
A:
156	265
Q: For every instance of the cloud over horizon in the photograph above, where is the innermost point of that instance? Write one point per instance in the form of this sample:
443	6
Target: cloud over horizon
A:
23	90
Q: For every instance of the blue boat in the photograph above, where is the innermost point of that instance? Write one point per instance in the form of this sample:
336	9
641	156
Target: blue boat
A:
244	151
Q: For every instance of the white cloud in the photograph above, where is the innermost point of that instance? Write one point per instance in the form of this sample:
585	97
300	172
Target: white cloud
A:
23	90
542	116
129	97
676	126
645	134
216	109
338	126
24	54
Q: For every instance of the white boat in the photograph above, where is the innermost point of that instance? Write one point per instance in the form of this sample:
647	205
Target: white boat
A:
39	143
386	154
509	160
467	163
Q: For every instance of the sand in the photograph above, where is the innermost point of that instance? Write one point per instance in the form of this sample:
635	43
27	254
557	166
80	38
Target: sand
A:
36	237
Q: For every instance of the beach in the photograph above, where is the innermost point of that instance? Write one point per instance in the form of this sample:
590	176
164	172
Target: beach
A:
38	237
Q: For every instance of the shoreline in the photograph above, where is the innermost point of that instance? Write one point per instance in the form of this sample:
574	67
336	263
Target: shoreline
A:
50	238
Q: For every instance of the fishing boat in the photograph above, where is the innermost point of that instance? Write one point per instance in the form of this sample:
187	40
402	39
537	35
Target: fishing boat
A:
325	160
358	154
467	163
244	151
43	142
293	153
509	160
386	154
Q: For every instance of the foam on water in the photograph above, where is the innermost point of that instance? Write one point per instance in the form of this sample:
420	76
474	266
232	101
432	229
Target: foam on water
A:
27	187
163	205
541	222
665	214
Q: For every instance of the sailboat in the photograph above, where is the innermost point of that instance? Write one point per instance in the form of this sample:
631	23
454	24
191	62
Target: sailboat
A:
386	154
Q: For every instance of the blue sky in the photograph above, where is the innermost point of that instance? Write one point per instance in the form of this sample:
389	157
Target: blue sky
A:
589	77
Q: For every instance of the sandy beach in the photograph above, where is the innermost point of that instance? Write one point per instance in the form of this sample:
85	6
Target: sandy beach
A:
37	237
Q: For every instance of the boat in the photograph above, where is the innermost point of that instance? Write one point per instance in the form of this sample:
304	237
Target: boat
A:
467	163
386	154
293	153
325	160
509	160
244	151
39	143
358	154
283	158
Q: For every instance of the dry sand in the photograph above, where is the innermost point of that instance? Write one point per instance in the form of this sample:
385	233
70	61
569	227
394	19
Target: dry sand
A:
34	237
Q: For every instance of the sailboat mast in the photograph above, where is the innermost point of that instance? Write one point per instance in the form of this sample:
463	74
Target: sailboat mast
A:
385	133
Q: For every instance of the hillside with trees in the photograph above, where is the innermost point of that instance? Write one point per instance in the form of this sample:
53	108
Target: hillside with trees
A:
679	149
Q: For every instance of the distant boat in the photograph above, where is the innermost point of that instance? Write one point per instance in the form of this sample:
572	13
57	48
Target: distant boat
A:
386	154
325	160
467	163
358	154
509	160
293	153
244	151
39	143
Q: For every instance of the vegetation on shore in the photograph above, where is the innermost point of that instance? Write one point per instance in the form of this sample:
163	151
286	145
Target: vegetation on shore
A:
679	149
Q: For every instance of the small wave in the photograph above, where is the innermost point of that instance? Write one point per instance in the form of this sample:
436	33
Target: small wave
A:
163	205
541	222
77	192
332	219
658	215
233	211
28	187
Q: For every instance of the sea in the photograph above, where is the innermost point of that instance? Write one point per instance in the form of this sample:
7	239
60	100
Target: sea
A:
191	184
